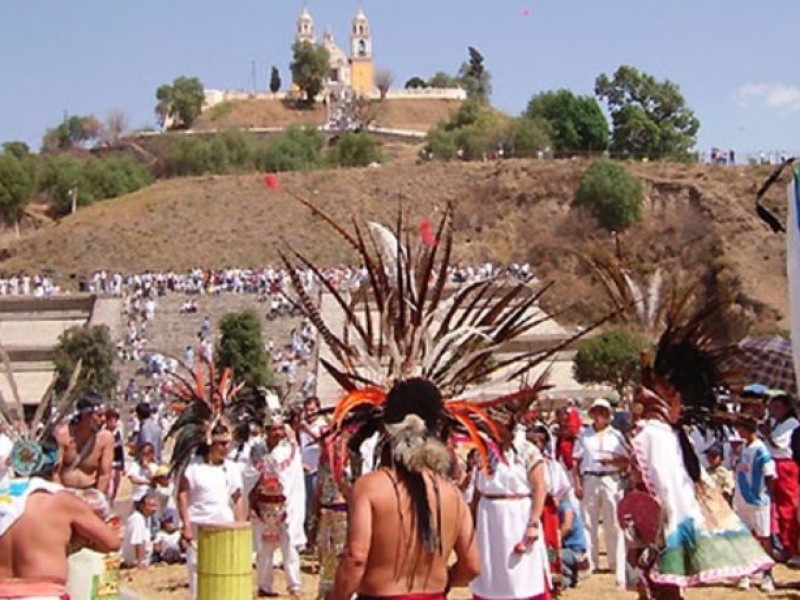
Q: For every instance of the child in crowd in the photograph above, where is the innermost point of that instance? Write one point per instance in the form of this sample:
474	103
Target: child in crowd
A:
573	543
721	476
168	540
137	548
755	475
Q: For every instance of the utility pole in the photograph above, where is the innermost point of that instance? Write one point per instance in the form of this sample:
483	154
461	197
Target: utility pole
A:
253	71
73	198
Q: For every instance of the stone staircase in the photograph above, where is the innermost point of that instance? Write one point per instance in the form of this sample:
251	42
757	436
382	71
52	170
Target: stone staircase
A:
171	332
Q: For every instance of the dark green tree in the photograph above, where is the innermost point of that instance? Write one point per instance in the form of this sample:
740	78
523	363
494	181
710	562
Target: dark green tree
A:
576	124
17	185
415	83
650	118
474	78
355	150
611	194
310	66
241	347
611	358
180	104
17	149
95	349
274	80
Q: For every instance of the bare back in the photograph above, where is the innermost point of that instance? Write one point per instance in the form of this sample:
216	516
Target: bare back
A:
397	562
35	546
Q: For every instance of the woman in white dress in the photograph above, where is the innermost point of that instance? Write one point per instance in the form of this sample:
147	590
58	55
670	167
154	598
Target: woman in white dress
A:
510	499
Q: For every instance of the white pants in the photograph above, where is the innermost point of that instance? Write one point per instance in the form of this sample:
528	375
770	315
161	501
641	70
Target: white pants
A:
600	498
291	562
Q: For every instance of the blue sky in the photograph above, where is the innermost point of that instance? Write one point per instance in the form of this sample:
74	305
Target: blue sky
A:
733	59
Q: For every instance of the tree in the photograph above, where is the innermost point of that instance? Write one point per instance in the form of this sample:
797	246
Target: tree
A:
298	149
274	80
474	77
575	123
612	195
613	358
649	118
17	149
528	137
415	83
94	348
241	347
355	150
472	132
310	67
442	80
180	104
17	184
76	131
384	79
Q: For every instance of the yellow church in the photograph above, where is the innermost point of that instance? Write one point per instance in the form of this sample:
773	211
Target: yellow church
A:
354	73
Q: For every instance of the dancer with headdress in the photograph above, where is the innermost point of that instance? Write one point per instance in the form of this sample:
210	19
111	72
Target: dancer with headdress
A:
697	539
413	359
209	485
41	521
277	506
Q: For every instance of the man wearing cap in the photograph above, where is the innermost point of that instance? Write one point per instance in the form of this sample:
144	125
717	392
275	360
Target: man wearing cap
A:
600	457
87	449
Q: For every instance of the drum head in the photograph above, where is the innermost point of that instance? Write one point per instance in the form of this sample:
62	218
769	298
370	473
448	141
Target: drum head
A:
641	512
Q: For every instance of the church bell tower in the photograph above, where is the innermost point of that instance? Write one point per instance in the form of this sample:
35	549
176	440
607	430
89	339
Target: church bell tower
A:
362	70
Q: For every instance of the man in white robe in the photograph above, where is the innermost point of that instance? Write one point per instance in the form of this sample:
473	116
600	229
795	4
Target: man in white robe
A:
277	508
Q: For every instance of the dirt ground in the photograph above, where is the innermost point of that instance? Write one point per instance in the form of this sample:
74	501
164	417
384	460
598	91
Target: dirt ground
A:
169	583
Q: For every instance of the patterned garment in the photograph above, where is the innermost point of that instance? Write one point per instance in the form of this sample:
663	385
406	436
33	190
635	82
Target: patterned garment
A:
330	544
703	539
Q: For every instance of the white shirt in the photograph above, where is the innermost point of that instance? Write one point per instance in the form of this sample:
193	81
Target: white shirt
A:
137	532
592	446
310	447
210	490
138	490
754	466
782	437
5	460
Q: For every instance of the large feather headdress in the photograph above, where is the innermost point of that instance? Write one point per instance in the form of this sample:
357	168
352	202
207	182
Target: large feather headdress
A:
207	395
406	321
30	452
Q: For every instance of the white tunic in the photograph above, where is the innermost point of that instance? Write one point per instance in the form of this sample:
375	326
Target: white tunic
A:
500	525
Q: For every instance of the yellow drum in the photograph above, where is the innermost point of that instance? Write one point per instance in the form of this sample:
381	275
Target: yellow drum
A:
225	562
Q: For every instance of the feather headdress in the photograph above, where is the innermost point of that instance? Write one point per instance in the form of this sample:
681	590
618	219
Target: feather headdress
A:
32	451
208	396
406	321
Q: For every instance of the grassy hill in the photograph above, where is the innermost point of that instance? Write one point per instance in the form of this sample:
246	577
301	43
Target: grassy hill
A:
699	220
415	114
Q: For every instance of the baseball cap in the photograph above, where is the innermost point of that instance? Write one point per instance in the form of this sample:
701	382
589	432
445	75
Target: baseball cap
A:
600	403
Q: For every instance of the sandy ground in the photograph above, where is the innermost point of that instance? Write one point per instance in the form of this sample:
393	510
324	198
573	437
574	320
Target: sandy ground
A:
168	583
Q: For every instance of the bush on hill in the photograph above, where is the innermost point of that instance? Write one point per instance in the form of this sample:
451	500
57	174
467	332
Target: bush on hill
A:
299	149
355	150
95	349
613	357
611	194
91	180
475	131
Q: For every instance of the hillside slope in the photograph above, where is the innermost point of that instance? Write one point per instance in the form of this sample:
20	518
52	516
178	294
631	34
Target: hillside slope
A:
699	220
418	114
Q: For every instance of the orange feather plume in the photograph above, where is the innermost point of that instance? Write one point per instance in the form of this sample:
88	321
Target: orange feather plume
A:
465	408
369	395
475	438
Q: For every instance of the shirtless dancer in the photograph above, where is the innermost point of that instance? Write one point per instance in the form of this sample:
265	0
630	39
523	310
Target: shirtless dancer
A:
382	509
86	448
34	546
